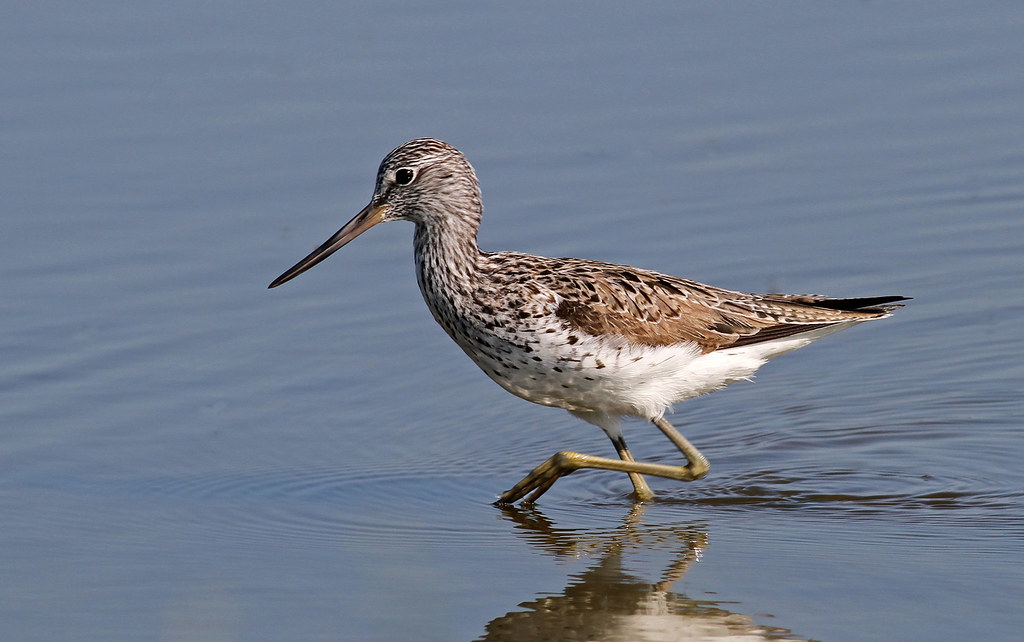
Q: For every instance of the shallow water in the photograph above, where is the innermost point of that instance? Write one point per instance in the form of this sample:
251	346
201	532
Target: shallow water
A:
186	455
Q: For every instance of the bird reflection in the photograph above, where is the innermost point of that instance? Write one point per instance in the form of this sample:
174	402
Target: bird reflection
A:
609	601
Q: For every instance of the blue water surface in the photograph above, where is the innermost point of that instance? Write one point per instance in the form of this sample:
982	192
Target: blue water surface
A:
187	455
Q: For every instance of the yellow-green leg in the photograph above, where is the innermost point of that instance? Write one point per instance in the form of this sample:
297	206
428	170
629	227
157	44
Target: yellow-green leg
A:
564	462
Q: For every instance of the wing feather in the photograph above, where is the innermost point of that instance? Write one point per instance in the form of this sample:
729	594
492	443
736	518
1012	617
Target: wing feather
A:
656	309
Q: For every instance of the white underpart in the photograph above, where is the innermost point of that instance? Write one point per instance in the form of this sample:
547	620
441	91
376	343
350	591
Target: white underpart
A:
637	380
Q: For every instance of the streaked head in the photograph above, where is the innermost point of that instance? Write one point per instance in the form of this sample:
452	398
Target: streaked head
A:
424	181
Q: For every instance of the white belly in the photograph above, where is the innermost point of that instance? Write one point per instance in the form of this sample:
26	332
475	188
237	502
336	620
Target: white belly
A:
612	377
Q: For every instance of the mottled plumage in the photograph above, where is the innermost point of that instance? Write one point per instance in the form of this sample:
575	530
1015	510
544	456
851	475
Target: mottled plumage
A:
599	340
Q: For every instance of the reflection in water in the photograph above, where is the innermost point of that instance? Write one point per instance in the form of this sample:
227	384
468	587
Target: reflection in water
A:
608	602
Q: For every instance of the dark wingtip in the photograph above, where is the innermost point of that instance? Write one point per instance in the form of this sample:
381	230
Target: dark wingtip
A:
854	304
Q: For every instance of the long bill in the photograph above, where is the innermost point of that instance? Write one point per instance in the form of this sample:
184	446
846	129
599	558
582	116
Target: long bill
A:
364	220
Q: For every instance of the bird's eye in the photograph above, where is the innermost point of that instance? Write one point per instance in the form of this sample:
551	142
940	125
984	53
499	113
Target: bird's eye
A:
404	176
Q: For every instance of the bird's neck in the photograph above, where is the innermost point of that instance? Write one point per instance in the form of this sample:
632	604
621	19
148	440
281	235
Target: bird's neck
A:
447	256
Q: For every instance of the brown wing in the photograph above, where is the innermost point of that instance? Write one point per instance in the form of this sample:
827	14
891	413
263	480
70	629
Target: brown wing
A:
655	309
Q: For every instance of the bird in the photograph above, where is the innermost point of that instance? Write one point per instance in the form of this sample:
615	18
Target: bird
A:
600	340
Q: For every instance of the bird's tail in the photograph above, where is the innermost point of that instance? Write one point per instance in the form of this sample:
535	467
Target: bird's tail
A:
869	304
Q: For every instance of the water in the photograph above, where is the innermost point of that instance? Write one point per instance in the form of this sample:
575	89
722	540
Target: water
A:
186	455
